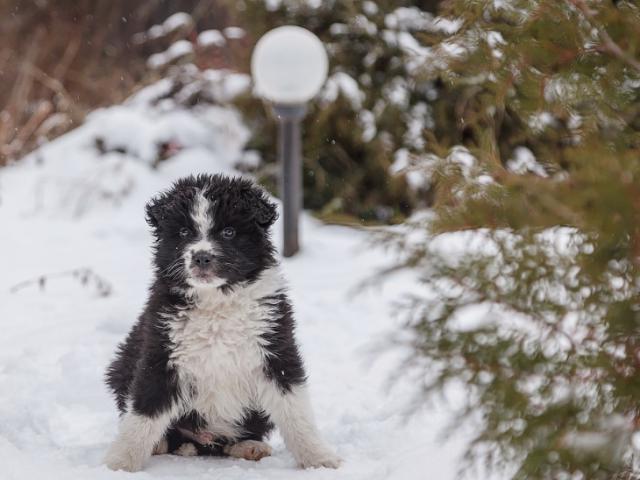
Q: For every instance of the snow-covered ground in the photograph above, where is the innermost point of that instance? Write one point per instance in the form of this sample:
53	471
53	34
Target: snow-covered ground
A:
78	203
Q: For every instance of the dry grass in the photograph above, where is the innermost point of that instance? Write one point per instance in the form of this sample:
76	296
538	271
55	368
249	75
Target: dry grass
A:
59	59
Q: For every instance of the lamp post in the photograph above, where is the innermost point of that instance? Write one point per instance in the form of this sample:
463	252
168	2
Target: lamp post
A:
289	66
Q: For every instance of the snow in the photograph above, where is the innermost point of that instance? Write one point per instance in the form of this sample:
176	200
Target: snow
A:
461	157
341	83
173	23
273	5
177	50
495	40
409	18
363	24
404	23
176	21
402	163
208	38
524	161
367	121
339	29
397	92
370	8
414	19
611	440
418	56
68	206
234	33
419	118
541	120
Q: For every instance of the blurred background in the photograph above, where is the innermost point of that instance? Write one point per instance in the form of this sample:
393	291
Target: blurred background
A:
485	154
61	60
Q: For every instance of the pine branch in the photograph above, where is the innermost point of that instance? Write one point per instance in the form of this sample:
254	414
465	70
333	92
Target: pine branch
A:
608	44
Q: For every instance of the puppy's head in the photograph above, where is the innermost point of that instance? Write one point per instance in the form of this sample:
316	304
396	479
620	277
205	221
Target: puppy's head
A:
212	231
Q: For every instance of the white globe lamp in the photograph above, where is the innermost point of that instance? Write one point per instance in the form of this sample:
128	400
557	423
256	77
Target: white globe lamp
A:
289	66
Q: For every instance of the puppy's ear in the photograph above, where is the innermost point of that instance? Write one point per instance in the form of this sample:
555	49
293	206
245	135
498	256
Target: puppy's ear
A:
265	212
155	211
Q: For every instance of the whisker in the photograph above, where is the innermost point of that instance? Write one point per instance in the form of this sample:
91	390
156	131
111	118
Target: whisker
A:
174	270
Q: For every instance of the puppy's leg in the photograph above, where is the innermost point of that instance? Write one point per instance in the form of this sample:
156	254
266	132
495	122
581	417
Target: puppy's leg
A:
249	450
152	407
138	436
162	447
291	412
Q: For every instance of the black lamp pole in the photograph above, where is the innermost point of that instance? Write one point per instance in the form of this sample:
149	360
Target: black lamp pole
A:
290	157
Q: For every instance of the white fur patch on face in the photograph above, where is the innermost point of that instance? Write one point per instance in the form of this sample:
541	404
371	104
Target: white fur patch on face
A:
201	215
203	221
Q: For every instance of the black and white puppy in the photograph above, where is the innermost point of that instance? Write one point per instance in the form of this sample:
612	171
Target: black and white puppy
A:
213	356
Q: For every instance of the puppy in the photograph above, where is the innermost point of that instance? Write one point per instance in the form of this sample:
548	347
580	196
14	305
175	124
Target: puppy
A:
212	363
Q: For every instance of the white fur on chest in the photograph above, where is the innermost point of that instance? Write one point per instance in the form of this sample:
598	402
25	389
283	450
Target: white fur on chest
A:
217	350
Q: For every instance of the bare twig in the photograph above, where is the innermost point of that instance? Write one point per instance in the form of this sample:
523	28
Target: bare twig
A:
39	116
51	83
85	276
69	56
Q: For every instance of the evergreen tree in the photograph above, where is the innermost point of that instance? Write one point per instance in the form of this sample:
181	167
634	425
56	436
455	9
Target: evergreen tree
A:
531	259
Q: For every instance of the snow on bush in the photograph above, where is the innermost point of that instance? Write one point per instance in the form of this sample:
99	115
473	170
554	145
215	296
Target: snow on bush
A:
100	163
234	33
177	22
211	38
524	161
341	83
178	50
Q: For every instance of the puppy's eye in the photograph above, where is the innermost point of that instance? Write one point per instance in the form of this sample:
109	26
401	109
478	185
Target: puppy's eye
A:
228	233
184	232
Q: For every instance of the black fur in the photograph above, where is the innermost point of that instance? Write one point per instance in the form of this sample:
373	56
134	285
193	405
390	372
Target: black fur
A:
140	369
140	373
284	365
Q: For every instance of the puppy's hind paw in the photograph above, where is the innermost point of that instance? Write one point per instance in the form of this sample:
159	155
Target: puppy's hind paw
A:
326	459
187	450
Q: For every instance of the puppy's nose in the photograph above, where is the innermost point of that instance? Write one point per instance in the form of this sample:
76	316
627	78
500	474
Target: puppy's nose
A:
202	258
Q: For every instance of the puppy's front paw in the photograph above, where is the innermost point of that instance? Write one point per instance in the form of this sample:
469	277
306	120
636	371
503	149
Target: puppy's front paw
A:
126	464
120	459
325	458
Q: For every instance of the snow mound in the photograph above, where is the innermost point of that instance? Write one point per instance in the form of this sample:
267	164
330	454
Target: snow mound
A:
116	151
